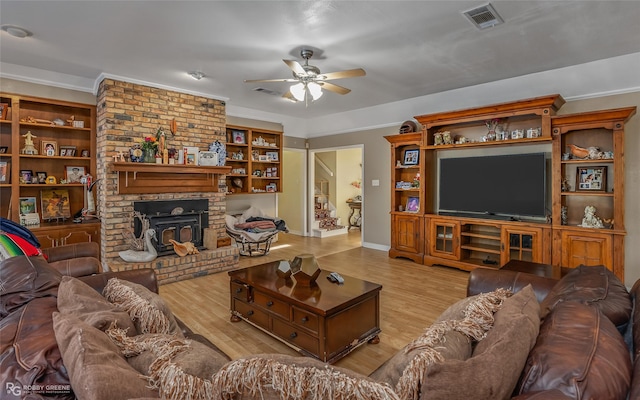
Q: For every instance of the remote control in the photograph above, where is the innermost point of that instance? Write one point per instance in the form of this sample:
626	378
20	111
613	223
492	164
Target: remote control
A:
335	278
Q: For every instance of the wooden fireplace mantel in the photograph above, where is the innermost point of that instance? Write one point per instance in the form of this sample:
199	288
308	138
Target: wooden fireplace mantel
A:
141	178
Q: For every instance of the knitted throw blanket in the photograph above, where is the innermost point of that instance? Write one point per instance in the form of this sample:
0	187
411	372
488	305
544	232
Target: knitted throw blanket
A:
258	375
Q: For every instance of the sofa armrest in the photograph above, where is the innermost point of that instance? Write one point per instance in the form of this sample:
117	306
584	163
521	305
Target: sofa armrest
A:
145	277
482	280
77	267
84	249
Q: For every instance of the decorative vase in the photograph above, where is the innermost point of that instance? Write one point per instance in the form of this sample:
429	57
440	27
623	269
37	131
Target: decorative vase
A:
149	156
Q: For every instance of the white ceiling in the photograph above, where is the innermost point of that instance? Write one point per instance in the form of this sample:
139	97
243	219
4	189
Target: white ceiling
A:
408	48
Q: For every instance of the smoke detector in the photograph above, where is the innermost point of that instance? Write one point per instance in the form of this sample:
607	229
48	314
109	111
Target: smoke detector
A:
484	17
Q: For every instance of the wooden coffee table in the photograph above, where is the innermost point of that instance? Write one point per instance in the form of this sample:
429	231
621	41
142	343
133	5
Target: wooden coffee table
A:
326	321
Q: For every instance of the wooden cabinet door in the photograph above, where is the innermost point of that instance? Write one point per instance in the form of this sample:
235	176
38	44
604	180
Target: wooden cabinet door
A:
79	236
407	232
47	239
445	239
585	248
523	244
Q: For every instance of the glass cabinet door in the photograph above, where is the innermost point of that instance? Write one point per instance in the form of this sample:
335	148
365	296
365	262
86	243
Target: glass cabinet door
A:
445	239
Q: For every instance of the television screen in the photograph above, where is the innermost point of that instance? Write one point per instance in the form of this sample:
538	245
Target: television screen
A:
510	185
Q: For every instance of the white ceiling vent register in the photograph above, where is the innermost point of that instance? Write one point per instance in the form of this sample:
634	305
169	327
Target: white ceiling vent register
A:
484	17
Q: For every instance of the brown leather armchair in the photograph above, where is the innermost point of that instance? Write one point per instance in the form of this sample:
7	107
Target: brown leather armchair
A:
78	259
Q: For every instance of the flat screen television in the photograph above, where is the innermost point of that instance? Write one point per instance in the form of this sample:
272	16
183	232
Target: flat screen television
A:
510	186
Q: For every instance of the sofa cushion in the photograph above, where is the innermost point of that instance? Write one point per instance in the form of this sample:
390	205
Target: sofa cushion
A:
451	345
579	352
96	368
80	300
24	279
147	309
29	351
592	285
493	369
196	359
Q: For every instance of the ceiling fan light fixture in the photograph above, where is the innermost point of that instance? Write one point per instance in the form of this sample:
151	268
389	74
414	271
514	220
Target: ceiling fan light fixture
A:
315	90
297	91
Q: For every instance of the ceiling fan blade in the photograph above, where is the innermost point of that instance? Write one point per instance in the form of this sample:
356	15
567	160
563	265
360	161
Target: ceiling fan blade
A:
295	67
349	73
334	88
289	96
270	80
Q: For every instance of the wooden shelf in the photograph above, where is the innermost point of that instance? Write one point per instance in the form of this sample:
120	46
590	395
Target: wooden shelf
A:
141	178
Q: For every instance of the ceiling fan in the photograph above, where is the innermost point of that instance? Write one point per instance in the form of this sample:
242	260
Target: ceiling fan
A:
310	81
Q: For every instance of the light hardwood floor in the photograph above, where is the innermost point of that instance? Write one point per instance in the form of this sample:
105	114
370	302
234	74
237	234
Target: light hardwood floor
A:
412	297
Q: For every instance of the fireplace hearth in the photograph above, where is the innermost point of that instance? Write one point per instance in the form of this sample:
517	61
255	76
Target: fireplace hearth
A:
179	220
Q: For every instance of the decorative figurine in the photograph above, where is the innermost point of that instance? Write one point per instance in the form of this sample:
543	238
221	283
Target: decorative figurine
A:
590	219
147	255
566	186
29	148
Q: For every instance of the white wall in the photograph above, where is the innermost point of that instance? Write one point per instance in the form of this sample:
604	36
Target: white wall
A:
292	200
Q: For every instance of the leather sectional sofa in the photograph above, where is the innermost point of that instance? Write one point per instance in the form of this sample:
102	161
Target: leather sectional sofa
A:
489	345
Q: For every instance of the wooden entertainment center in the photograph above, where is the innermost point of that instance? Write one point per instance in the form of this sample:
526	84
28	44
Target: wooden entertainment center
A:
424	235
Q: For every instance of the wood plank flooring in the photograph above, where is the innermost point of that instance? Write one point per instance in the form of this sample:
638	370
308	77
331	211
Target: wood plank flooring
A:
412	297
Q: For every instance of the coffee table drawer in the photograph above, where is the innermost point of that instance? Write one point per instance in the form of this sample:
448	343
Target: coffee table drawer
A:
269	303
305	319
252	314
240	291
294	335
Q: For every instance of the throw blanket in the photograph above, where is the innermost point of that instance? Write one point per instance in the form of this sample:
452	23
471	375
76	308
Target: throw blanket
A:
262	224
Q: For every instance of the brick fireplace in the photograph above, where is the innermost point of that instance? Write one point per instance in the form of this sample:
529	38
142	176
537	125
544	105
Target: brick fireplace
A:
126	113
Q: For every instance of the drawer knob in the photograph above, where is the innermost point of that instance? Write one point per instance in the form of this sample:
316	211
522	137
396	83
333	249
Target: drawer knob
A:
239	290
293	335
269	303
249	313
305	319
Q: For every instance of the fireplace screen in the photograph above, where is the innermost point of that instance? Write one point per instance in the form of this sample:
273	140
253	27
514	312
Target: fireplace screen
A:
171	222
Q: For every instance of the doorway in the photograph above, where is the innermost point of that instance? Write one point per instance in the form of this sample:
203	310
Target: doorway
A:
335	177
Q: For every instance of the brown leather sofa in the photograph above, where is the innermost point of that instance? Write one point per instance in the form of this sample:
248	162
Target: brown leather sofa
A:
29	353
589	341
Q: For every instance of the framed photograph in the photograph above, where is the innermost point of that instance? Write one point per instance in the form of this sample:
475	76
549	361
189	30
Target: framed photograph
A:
273	155
28	205
239	137
5	172
42	176
4	109
4	149
188	155
49	148
263	157
68	151
73	173
26	175
55	204
411	157
592	179
271	187
413	204
85	153
208	158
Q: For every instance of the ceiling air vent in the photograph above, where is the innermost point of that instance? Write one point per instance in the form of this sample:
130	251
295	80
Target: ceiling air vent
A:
267	91
484	17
